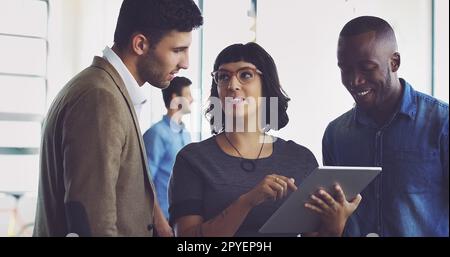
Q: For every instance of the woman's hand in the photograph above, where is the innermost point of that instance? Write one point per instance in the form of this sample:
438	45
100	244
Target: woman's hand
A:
334	212
272	187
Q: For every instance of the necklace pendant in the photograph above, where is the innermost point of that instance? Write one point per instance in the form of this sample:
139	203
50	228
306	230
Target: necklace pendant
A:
248	165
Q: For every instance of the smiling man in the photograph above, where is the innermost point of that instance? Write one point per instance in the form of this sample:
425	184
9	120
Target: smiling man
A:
93	168
392	126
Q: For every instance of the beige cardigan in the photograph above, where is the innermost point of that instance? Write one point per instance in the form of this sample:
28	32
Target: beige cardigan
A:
93	160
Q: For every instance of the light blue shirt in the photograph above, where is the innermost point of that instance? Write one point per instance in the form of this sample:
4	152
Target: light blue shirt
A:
162	143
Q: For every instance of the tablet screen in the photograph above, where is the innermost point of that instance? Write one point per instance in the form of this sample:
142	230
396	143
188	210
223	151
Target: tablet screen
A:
293	217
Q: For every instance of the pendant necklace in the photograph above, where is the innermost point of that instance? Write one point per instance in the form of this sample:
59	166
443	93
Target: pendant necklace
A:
247	165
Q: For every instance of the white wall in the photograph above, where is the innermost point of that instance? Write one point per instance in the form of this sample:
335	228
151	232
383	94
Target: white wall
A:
302	37
78	30
441	46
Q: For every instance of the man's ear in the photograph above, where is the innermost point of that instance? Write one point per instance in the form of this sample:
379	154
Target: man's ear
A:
139	44
174	95
395	62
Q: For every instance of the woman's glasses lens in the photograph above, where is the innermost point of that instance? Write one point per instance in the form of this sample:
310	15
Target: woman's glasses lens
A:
244	76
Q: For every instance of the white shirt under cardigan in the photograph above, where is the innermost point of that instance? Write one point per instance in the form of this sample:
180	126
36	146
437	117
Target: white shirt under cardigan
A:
136	92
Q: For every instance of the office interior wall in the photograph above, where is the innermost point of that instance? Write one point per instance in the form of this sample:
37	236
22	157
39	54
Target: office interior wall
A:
441	47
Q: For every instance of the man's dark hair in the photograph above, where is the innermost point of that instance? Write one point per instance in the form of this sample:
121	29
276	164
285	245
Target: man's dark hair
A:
154	19
176	86
365	24
271	87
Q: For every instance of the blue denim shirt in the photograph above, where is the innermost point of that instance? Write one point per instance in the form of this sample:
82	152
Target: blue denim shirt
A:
163	141
411	196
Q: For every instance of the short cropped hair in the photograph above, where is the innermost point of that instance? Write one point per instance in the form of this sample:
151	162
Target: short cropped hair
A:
175	87
365	24
154	19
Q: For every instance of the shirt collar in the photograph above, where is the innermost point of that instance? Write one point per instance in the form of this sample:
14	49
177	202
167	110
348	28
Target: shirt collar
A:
173	125
407	106
136	92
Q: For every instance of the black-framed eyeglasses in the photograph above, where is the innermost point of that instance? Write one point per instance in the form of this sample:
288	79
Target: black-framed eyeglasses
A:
244	75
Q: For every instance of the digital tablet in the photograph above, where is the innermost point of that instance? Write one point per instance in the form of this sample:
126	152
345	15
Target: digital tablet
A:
293	217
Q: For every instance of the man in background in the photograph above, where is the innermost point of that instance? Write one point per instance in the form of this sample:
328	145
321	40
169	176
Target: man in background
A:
166	138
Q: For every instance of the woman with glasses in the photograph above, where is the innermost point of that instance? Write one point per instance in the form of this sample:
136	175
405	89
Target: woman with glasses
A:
231	183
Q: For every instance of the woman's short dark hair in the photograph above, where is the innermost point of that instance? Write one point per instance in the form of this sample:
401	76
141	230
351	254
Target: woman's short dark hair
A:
155	18
175	87
271	87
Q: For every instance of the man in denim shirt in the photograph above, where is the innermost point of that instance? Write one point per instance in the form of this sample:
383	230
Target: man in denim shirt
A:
392	126
165	139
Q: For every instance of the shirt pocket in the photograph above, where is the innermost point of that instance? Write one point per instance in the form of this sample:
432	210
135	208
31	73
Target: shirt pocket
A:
413	171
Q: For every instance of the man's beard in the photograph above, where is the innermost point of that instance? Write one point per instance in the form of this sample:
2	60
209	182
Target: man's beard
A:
149	70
